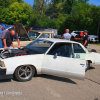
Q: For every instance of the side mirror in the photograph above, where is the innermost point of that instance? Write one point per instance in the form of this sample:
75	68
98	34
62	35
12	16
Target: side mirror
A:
55	56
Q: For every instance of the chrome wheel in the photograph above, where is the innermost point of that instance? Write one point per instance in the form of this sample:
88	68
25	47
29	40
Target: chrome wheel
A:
24	73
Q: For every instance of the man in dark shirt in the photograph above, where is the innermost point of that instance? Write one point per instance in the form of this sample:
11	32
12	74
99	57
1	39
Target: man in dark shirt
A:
85	41
8	38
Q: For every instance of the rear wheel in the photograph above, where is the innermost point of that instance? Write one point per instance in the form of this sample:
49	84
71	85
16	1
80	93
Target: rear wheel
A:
24	73
87	65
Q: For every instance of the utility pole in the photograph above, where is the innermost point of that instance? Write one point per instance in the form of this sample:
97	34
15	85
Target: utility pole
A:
98	31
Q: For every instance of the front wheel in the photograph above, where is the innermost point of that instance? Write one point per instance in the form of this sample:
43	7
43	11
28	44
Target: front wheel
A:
24	73
87	65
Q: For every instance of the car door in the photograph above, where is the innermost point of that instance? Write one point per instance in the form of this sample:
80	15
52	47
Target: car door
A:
60	61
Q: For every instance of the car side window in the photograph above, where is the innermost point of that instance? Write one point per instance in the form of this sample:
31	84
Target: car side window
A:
44	36
79	52
61	49
78	49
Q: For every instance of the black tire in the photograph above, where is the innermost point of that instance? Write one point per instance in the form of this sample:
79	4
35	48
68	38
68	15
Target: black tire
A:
87	65
93	50
24	73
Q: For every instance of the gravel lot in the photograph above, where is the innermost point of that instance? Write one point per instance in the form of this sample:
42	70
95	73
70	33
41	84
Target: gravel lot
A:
46	87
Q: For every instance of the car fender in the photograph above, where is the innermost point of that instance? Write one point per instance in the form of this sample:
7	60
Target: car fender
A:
12	63
93	57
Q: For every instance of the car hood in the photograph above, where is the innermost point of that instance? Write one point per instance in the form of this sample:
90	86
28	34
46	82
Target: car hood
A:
21	30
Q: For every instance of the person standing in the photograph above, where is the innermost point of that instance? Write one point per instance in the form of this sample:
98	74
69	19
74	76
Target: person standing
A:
0	29
0	38
8	38
85	41
2	33
66	35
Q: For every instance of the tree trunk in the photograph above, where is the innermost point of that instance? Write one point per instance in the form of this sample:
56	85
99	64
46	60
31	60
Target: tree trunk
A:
98	32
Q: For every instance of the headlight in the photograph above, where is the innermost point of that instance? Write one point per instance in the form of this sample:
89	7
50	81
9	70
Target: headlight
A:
2	64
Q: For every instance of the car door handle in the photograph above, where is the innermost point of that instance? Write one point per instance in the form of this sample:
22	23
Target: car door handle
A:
82	65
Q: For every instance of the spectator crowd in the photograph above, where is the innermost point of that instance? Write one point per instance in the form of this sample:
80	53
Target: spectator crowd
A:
7	36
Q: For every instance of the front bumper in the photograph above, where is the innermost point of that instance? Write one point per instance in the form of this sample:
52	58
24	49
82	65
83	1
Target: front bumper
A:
3	74
2	71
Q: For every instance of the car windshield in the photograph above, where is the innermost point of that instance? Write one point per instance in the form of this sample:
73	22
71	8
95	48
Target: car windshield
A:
77	32
33	35
39	46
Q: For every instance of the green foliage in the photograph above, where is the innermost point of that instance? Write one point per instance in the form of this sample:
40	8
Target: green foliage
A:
17	12
83	16
7	3
59	14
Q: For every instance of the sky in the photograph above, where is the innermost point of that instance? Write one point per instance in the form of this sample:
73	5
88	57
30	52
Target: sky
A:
94	2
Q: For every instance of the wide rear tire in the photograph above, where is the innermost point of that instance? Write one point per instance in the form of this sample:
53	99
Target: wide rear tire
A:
87	65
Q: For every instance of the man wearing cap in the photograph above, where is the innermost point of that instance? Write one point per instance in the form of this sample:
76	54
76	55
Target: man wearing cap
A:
85	41
66	35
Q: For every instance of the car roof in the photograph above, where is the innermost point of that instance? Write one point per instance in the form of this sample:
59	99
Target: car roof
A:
58	40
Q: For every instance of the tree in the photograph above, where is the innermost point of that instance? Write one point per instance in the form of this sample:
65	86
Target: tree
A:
17	12
83	16
7	3
40	6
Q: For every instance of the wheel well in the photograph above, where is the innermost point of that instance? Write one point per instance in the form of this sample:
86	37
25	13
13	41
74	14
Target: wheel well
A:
35	70
89	61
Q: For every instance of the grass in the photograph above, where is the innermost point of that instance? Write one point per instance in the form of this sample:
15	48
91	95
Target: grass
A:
96	44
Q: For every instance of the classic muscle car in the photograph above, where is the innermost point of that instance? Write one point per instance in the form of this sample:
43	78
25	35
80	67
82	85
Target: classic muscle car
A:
51	56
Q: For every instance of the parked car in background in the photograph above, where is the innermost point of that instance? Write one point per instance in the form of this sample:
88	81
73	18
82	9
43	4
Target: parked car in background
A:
9	27
25	38
74	33
93	38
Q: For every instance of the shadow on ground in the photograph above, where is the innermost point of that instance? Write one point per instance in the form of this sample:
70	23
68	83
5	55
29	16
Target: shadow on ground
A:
5	80
91	68
43	76
92	81
56	78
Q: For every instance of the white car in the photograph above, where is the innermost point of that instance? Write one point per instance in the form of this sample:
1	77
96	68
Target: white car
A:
74	33
51	56
93	38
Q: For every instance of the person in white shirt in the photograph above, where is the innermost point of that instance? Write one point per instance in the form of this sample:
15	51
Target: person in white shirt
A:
66	35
